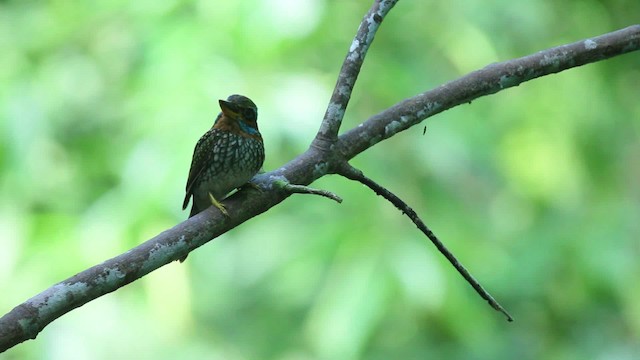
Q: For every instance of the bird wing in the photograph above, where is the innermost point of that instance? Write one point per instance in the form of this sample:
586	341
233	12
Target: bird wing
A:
198	164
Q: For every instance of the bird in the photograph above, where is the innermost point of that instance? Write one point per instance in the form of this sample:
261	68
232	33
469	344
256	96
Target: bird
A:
226	157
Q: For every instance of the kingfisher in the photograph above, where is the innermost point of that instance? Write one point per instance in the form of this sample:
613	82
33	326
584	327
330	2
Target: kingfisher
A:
226	157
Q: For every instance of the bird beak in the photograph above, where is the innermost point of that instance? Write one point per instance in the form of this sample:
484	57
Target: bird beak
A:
228	108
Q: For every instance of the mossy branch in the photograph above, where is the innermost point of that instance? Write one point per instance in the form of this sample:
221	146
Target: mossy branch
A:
326	154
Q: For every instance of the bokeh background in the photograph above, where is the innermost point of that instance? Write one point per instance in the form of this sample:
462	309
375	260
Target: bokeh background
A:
536	189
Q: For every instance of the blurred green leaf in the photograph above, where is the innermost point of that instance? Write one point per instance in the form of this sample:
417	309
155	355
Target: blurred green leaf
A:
535	189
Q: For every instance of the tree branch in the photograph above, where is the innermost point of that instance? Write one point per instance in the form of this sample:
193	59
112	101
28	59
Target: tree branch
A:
349	73
301	189
352	173
26	320
487	81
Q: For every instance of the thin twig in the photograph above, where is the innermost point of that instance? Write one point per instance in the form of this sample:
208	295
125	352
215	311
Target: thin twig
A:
301	189
352	173
349	72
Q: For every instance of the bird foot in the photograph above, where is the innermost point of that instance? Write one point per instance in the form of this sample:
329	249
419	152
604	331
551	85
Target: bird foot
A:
219	205
253	186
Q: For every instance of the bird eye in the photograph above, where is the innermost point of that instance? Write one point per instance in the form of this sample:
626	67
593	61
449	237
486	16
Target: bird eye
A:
250	114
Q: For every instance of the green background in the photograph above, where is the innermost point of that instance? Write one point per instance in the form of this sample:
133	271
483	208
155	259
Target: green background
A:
536	189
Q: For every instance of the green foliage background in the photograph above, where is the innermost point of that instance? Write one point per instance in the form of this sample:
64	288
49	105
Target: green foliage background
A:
536	189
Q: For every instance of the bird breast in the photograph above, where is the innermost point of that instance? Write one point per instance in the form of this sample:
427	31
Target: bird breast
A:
234	160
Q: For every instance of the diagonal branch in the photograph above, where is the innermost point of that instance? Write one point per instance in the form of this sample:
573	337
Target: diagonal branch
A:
349	73
26	320
352	173
489	80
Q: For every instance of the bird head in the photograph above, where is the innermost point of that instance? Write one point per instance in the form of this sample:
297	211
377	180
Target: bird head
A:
239	107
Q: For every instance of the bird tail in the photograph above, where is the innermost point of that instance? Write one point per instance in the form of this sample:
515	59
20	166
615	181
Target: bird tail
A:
185	203
194	210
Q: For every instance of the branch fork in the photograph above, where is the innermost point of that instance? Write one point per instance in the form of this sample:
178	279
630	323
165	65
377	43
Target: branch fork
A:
284	184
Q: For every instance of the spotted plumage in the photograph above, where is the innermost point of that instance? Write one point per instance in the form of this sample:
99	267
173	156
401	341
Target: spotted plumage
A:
226	157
